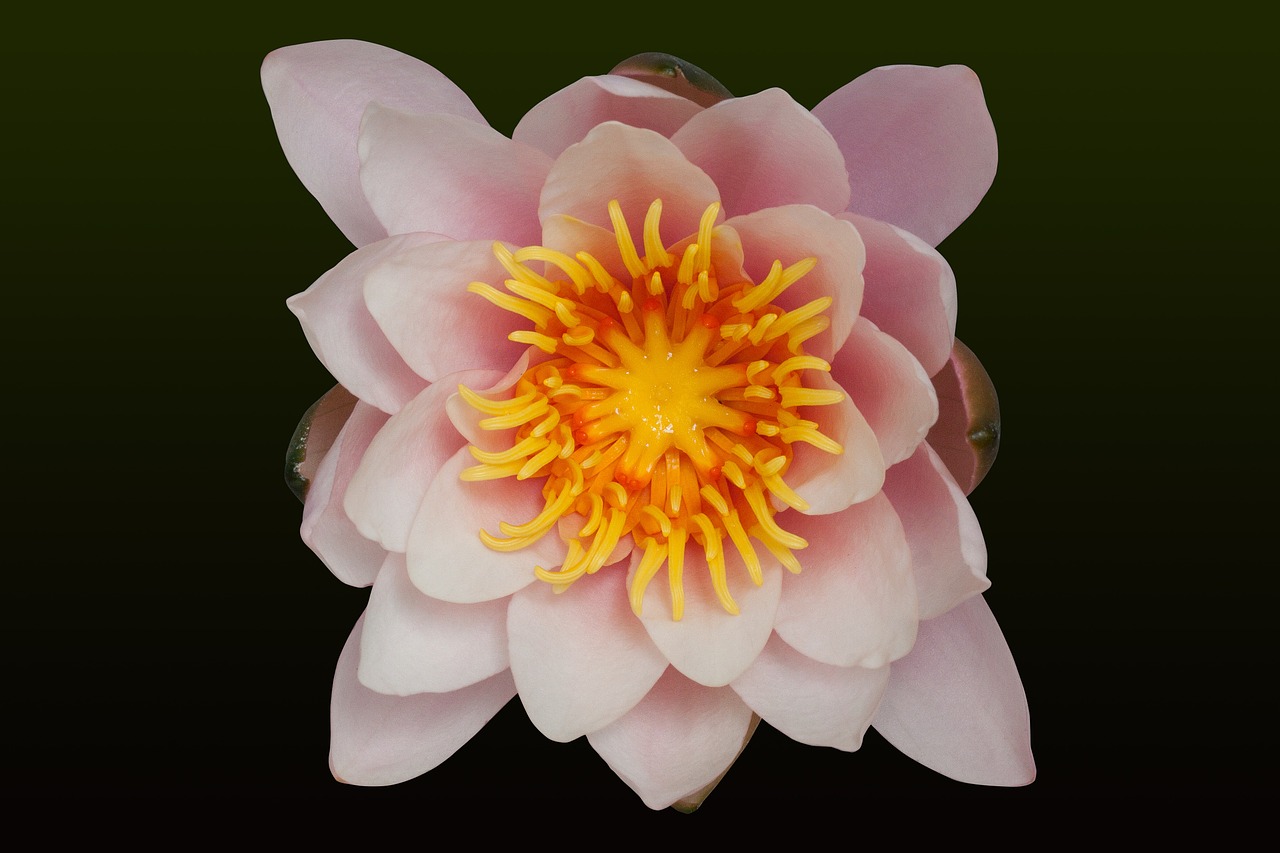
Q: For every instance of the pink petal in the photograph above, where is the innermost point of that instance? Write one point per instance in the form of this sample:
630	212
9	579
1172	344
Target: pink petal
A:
635	167
382	740
956	703
791	234
709	644
680	738
910	291
318	93
919	144
967	434
580	658
830	482
567	116
326	529
416	644
387	489
889	387
449	175
447	559
420	300
765	150
854	601
812	702
948	553
343	333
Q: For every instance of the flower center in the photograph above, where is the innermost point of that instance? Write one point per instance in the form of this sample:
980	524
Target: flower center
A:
665	409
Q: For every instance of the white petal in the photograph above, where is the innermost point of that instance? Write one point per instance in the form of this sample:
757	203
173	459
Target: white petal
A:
580	658
635	167
326	528
709	644
420	301
448	175
344	335
889	387
384	495
956	703
765	151
318	93
679	739
830	482
948	553
567	116
854	601
416	644
383	740
448	560
812	702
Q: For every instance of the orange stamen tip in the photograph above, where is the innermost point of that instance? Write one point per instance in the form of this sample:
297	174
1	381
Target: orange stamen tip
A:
606	325
582	436
652	304
709	321
748	426
714	474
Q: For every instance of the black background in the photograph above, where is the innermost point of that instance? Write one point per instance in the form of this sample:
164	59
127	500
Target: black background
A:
170	639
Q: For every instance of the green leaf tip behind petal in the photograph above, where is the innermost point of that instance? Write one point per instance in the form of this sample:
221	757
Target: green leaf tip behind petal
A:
315	434
690	803
967	433
674	75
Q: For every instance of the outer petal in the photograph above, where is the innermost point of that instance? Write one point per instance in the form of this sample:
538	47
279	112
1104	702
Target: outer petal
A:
580	658
416	644
448	561
318	93
343	333
889	387
446	174
567	116
326	528
386	491
765	150
382	740
854	602
677	740
831	483
956	703
948	553
420	300
709	644
812	702
919	144
910	292
791	234
633	166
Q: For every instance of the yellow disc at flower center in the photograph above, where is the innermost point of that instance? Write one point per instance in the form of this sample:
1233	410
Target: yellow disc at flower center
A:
665	408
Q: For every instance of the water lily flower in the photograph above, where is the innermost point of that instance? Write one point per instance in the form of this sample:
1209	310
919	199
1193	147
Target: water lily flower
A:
651	414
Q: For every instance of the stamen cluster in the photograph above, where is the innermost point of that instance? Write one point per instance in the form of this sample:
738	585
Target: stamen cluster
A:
665	409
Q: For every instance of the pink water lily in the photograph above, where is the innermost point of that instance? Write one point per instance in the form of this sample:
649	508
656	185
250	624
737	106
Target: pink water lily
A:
651	414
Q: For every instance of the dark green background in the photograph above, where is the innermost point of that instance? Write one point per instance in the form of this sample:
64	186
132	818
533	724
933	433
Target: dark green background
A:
169	637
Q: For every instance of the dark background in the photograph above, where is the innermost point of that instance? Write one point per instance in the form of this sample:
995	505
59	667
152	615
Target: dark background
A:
168	636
